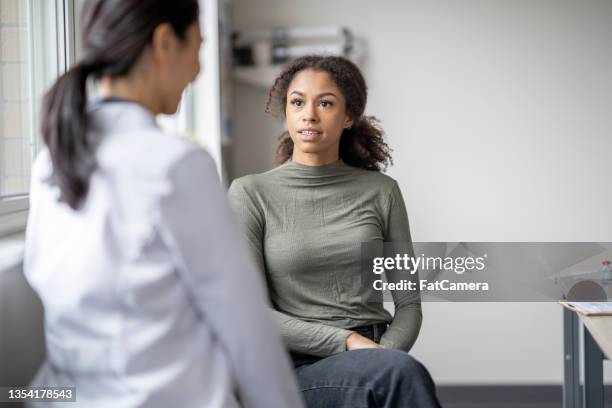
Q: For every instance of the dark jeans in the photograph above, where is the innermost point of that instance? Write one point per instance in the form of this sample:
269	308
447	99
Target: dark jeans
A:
365	378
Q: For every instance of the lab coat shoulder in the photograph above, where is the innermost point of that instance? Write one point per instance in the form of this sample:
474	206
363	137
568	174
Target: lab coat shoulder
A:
133	156
145	152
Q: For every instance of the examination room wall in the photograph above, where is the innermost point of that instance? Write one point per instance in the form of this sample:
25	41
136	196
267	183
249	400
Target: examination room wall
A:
499	116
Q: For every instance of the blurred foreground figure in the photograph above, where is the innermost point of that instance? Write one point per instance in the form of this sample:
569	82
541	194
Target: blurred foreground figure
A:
150	298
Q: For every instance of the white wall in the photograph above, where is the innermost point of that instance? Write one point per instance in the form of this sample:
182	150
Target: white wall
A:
499	116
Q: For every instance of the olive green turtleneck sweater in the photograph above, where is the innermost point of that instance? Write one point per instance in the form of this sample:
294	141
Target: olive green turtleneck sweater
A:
305	226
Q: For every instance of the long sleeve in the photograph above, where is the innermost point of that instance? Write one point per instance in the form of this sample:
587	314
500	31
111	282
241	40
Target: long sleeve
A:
299	336
198	226
404	329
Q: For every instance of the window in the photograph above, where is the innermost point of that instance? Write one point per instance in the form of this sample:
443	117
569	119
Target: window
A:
15	107
36	45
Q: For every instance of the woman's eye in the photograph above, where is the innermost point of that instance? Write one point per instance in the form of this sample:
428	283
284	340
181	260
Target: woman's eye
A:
297	102
325	104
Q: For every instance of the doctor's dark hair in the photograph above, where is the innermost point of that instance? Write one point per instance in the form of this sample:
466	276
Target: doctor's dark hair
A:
363	144
114	35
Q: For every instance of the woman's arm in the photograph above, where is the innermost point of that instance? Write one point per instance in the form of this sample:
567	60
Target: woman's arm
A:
299	336
406	324
315	339
197	224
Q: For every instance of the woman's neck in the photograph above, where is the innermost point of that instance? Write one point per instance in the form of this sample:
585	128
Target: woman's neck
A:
131	89
314	159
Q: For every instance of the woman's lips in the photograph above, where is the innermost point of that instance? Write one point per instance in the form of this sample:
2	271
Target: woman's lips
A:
309	135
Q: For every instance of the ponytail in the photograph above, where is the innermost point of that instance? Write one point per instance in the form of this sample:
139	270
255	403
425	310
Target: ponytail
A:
64	131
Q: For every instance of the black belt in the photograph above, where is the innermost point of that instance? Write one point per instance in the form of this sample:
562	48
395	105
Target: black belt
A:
372	331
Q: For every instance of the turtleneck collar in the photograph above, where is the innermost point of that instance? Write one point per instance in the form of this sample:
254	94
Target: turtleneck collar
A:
301	175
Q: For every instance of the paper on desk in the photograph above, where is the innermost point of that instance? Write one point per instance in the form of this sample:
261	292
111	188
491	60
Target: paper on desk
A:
590	308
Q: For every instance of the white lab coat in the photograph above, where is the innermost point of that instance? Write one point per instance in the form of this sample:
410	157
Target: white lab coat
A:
150	297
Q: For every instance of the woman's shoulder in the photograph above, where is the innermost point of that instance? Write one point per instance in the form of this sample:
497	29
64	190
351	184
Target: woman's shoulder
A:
376	180
158	155
256	182
130	137
150	150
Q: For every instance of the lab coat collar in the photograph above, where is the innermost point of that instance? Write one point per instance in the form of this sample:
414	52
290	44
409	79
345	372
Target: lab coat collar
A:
112	113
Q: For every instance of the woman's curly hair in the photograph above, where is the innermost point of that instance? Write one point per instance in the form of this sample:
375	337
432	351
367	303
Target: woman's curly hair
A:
363	144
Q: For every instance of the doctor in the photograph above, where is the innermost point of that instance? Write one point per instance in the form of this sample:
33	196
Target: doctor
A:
150	298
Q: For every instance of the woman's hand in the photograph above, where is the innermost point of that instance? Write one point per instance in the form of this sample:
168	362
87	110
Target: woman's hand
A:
356	341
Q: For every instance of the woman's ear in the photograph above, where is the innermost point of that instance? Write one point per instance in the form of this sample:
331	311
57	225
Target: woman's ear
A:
348	122
163	42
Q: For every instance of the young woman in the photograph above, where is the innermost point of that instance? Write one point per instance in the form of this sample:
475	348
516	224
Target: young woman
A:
305	221
128	240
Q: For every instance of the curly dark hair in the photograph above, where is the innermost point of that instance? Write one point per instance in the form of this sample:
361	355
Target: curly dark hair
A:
363	144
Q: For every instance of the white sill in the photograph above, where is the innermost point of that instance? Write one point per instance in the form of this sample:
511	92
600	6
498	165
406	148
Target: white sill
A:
11	251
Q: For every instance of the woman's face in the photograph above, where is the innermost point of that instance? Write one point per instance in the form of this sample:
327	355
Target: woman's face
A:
316	116
182	65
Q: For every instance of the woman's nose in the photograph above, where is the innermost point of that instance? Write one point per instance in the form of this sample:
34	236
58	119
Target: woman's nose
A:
310	113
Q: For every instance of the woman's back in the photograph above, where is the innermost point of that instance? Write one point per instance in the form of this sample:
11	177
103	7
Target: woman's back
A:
137	306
